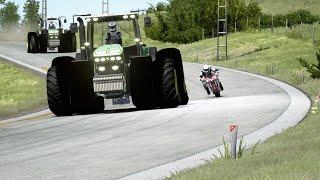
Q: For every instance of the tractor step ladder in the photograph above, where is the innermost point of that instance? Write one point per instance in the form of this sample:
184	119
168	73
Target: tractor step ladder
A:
222	24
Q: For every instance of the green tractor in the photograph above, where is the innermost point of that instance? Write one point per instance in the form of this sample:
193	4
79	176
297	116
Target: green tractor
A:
52	35
115	64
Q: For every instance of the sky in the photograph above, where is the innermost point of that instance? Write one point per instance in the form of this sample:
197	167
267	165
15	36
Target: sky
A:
67	8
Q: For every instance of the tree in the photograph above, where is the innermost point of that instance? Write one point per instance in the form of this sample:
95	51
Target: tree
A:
161	6
31	14
9	17
2	1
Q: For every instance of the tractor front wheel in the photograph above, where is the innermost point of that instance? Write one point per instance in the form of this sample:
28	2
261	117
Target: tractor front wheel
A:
32	44
58	92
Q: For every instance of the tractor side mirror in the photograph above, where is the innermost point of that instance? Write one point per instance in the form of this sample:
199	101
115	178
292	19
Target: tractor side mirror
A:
65	21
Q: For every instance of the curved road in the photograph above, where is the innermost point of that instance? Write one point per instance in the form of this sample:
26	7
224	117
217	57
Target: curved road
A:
116	144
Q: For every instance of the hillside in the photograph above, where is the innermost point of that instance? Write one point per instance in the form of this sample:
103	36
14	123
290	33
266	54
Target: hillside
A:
284	6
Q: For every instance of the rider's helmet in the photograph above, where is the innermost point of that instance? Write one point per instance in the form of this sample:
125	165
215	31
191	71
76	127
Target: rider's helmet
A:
112	26
206	69
51	25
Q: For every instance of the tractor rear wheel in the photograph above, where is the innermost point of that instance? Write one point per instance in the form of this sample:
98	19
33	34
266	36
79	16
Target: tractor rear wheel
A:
73	47
170	97
58	92
43	41
141	83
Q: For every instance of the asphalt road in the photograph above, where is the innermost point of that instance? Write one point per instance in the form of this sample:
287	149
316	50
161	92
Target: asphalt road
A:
119	143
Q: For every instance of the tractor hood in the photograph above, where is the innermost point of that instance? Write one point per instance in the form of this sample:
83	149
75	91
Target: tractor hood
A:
53	31
108	50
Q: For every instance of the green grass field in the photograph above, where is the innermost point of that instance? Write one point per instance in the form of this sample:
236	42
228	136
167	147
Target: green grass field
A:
285	6
20	90
293	154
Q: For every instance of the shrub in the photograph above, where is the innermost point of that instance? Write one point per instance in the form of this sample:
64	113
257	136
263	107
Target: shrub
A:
313	69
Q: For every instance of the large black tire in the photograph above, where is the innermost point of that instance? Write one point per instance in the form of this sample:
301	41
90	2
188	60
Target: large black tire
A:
73	47
141	84
184	94
32	44
170	97
58	92
43	42
63	44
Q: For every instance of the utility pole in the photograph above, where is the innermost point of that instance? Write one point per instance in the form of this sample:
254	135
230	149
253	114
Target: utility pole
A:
222	7
105	7
45	13
105	11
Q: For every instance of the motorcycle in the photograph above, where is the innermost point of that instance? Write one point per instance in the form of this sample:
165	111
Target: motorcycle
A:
213	83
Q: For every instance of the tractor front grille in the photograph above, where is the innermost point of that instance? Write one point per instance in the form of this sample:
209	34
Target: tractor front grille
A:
109	83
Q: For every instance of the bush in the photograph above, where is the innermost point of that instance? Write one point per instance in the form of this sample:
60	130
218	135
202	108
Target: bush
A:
313	69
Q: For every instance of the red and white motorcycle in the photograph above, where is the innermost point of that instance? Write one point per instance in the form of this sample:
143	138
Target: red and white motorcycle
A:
213	83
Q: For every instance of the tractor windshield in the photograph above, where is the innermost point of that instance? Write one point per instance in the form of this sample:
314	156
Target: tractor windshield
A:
116	31
53	24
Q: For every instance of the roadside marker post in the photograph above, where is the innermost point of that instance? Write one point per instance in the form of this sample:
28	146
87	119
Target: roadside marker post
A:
233	140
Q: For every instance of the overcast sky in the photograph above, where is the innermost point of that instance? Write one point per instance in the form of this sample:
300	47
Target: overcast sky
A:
69	7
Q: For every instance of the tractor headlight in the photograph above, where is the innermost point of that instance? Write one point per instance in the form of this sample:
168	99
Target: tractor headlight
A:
95	19
132	16
115	68
112	58
125	17
56	37
103	59
97	60
118	58
102	68
137	40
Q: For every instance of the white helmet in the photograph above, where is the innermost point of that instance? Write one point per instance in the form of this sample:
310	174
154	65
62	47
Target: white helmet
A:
206	68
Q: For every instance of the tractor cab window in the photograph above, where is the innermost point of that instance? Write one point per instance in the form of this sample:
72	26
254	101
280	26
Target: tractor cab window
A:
115	32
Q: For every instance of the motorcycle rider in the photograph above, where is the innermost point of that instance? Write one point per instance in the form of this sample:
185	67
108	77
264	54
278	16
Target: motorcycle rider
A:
208	71
113	36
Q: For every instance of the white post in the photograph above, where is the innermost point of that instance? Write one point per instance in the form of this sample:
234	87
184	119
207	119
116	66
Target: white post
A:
233	140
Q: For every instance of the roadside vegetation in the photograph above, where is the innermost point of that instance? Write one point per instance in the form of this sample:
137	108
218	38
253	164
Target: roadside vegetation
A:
285	6
20	91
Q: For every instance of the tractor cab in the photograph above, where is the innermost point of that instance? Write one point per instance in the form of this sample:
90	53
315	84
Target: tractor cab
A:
111	42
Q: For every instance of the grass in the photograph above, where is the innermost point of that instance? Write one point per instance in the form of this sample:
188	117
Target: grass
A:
293	154
284	6
20	90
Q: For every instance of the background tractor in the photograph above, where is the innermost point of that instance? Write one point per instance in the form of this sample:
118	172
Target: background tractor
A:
52	35
115	69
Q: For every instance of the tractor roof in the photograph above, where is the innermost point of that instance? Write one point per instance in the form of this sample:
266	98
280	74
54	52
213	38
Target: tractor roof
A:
108	18
52	19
